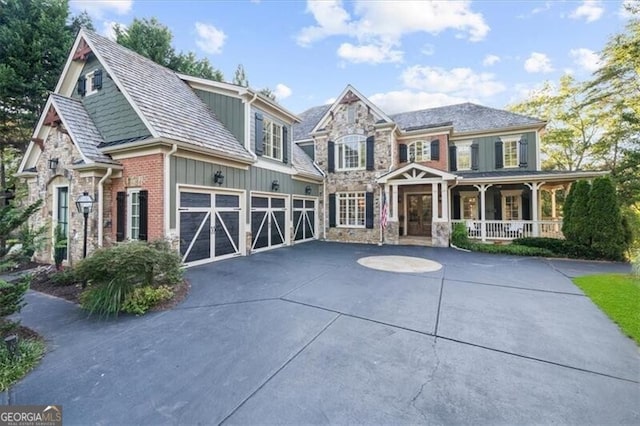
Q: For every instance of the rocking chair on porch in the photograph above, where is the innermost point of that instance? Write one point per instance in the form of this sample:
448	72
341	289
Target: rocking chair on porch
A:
515	230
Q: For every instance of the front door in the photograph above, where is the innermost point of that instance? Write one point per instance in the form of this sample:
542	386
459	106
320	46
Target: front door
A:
419	214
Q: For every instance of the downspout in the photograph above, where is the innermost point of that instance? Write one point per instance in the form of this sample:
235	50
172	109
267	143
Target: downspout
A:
101	205
248	128
167	189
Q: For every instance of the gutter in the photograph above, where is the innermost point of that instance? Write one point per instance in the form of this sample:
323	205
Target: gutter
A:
167	189
101	205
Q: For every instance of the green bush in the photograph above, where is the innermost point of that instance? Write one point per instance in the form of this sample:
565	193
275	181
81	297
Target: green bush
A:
606	230
512	249
580	218
64	277
114	272
141	299
31	239
59	247
553	244
11	302
459	236
13	369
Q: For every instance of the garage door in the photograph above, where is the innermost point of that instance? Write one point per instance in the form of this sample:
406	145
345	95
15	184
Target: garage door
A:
304	219
268	222
209	225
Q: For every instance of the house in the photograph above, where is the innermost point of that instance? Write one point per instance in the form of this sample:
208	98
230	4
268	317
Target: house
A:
221	171
210	166
409	176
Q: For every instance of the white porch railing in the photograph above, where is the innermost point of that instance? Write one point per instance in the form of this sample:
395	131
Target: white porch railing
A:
511	229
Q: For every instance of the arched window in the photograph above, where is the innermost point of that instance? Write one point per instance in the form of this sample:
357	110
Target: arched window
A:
419	151
351	152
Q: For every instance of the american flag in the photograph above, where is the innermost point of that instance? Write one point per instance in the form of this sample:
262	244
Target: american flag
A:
384	213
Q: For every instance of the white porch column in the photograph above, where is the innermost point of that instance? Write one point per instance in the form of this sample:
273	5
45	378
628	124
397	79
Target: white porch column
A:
394	201
482	188
535	186
434	200
445	200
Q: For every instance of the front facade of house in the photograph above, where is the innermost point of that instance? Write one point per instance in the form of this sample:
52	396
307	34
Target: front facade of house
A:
221	171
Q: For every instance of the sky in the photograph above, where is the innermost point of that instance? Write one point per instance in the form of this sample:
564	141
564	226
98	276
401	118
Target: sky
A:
403	55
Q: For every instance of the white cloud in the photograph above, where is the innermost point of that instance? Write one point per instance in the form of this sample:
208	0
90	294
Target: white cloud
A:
525	91
536	10
329	101
108	29
369	53
460	82
590	10
586	59
538	62
210	39
331	18
490	60
407	100
97	8
428	49
282	91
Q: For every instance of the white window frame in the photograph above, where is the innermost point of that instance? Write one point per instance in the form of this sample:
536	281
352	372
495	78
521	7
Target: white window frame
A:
130	194
466	146
357	199
424	147
469	195
272	139
511	193
89	89
515	141
340	152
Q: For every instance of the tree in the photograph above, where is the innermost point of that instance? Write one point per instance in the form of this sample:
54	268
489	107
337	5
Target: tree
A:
240	77
268	93
605	220
152	39
579	229
573	138
567	210
83	20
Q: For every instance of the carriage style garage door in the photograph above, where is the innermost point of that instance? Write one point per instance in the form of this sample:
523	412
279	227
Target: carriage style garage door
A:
210	225
304	219
268	221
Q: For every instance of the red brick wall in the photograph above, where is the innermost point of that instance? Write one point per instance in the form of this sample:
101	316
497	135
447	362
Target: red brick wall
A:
444	151
145	172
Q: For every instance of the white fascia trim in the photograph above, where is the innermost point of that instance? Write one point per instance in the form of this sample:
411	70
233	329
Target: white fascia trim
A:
569	176
268	165
307	178
441	174
432	131
67	65
96	165
498	131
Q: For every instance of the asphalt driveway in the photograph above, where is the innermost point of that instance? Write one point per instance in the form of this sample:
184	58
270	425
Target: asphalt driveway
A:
305	334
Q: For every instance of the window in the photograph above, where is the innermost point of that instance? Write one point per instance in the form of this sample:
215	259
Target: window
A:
419	151
351	209
272	138
62	213
510	153
464	157
512	205
351	152
133	229
90	82
469	205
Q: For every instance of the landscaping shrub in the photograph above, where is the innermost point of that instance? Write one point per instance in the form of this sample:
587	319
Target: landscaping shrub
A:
114	272
13	369
580	221
64	277
553	244
11	302
512	249
59	247
567	210
141	299
606	230
459	236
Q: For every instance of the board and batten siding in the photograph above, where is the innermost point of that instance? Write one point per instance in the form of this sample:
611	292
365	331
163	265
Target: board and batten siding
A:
487	146
112	114
229	110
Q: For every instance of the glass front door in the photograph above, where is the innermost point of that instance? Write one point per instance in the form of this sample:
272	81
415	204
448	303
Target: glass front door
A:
419	214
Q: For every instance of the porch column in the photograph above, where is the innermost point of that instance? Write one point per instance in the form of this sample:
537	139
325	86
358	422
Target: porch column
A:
434	200
535	186
482	188
553	203
394	196
445	200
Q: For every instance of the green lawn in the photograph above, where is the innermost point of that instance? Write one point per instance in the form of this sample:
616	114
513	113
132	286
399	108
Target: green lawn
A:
618	296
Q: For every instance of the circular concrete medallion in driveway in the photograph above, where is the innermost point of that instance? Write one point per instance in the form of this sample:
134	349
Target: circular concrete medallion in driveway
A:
399	263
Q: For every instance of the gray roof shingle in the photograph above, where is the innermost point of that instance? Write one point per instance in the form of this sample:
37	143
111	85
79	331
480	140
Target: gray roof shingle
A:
302	163
82	129
168	104
466	117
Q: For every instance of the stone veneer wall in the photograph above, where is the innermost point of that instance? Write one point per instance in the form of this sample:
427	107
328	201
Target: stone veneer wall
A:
357	180
59	145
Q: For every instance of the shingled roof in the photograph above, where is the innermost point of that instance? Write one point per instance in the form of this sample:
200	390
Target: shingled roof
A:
303	164
168	105
81	128
466	117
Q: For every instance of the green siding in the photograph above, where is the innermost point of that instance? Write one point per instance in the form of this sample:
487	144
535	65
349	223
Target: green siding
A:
486	151
114	117
229	110
309	149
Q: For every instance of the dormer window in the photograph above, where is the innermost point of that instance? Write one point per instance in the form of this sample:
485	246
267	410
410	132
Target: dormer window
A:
90	83
272	140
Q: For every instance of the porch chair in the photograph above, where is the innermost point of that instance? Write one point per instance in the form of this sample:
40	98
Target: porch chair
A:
472	231
515	230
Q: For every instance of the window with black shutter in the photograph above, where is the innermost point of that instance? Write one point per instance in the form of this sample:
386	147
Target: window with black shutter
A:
435	150
369	210
403	153
97	80
499	156
453	158
475	154
331	160
121	202
524	152
143	198
370	153
285	144
259	136
332	210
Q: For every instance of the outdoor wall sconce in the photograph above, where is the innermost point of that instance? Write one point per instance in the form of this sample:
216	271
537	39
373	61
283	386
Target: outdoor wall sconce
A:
275	185
53	163
307	190
218	178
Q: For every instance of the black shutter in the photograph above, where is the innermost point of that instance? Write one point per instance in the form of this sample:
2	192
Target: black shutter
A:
121	200
526	205
524	151
82	86
435	150
285	144
475	152
497	205
499	162
368	207
453	158
97	79
456	206
259	143
332	210
370	148
403	153
143	198
331	152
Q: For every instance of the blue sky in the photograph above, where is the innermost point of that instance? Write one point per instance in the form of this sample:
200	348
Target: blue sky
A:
403	55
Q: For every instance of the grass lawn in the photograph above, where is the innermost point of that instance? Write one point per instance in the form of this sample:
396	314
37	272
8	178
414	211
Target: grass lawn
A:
13	369
618	296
